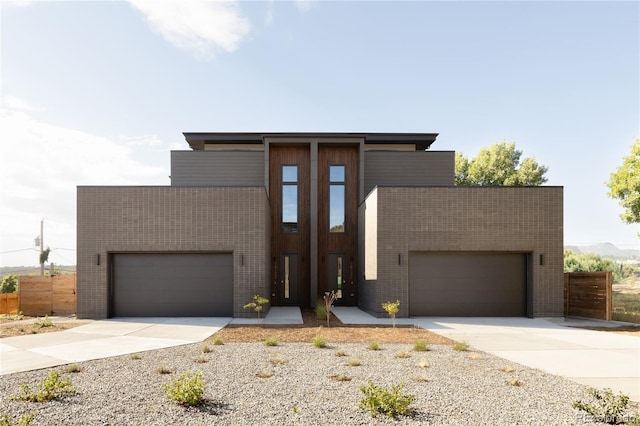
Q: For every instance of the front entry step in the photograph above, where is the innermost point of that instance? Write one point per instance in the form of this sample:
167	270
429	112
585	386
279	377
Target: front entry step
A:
277	315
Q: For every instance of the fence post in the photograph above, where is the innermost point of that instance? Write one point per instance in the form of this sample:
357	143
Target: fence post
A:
608	292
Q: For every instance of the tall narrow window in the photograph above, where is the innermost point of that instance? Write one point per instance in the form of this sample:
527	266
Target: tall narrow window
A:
290	199
336	198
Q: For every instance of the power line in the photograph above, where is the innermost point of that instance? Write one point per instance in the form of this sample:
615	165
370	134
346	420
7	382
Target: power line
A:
13	251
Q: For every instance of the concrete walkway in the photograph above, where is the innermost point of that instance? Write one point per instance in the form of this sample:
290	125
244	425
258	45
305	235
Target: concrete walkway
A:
594	358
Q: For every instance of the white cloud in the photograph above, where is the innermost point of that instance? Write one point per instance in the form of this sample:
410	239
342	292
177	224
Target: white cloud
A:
41	168
198	26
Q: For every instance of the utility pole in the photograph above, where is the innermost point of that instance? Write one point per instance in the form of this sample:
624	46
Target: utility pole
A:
41	246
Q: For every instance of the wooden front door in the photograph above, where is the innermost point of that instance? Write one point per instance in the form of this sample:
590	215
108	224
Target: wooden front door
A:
289	198
338	184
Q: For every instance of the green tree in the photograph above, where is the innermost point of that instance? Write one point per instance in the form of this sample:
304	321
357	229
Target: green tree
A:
624	185
9	284
588	262
499	165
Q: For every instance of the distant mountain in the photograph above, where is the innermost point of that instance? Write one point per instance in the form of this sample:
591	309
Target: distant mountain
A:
604	250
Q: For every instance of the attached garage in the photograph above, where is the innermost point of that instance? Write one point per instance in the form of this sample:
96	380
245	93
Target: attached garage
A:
172	285
483	284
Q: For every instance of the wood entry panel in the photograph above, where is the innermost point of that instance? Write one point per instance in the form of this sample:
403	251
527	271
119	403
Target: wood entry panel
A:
338	242
287	242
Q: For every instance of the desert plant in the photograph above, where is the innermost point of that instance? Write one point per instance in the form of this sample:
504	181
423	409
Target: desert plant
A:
421	379
389	401
403	355
340	378
264	374
278	360
271	341
49	388
164	370
320	310
423	363
135	356
460	346
24	420
329	298
43	322
206	349
186	389
515	382
341	352
320	341
201	360
373	346
606	407
420	346
217	341
475	356
354	362
392	309
73	368
507	369
257	303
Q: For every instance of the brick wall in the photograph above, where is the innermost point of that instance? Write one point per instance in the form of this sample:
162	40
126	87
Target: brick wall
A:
170	219
507	219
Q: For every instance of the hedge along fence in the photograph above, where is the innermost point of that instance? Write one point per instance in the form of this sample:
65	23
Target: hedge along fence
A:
588	295
47	295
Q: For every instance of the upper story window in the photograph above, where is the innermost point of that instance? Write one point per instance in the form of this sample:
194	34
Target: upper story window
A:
290	199
336	198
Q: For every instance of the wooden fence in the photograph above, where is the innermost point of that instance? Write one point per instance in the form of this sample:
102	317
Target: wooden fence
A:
9	303
38	296
588	295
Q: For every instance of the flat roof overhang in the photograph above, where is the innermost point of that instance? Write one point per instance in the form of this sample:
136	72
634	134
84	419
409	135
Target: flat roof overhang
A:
422	141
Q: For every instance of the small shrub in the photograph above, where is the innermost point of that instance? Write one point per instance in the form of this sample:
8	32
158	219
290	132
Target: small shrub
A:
186	389
423	363
421	379
73	368
164	370
43	322
373	346
271	341
389	401
9	284
515	382
420	346
201	360
135	356
25	420
508	369
265	374
329	298
340	378
320	341
278	360
257	303
340	352
606	406
403	355
460	346
217	341
320	310
206	349
354	362
49	388
392	309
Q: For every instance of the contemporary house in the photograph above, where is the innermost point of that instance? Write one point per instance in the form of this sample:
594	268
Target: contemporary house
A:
372	216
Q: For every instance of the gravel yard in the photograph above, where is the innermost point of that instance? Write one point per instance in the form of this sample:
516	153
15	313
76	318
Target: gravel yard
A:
456	388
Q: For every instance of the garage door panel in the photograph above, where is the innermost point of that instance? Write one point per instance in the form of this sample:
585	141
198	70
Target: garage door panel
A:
467	284
173	284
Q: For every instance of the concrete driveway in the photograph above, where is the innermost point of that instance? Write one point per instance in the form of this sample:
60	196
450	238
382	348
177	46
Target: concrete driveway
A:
595	358
102	339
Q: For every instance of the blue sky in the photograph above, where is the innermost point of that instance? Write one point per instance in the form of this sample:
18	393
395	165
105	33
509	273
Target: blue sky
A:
98	93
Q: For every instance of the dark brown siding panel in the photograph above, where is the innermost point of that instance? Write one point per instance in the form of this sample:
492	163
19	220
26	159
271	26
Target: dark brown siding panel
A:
217	168
411	168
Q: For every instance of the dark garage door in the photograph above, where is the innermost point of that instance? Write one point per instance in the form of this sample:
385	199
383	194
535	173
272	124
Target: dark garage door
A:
467	284
172	285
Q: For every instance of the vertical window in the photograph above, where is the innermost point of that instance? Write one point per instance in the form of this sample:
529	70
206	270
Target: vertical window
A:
286	277
336	198
339	274
290	199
